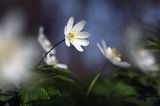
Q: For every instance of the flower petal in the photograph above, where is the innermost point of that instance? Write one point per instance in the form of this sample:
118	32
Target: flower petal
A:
67	42
51	58
82	42
79	26
100	48
108	51
70	23
123	64
83	35
66	31
104	45
64	66
42	39
77	46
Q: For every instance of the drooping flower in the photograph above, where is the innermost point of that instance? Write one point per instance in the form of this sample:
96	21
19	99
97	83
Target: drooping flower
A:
46	45
17	54
74	34
112	54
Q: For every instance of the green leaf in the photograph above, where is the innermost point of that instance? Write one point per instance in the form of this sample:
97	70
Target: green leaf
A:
29	95
93	83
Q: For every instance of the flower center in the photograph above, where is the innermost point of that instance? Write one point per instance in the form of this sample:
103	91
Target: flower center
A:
116	52
72	35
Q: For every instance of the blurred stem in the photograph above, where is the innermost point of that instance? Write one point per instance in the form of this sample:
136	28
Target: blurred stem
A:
93	82
49	51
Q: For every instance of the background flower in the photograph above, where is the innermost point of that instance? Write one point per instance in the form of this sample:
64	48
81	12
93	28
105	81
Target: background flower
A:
139	55
17	54
46	45
112	55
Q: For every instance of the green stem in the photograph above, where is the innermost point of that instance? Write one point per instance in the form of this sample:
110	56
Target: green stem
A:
93	83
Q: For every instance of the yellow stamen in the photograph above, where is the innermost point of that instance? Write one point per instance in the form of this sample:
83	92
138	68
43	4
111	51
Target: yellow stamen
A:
72	35
116	52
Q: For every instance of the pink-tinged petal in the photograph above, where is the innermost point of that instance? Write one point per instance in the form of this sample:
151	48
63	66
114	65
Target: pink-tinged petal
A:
79	26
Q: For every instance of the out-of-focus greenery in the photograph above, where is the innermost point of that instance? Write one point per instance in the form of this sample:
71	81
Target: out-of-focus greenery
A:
60	87
153	43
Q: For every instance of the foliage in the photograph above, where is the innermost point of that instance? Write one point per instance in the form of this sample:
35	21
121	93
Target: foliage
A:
55	86
153	43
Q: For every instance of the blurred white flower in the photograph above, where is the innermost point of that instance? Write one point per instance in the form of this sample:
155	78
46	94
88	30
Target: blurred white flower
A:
112	55
75	35
46	45
17	56
146	60
141	57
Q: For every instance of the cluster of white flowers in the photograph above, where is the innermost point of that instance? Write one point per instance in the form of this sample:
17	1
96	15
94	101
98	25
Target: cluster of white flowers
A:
13	52
73	35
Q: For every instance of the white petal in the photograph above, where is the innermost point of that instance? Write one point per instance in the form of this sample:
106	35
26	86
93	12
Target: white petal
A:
53	52
123	64
100	48
82	42
104	45
79	26
70	23
67	42
77	46
117	58
45	43
64	66
83	35
66	31
108	51
50	59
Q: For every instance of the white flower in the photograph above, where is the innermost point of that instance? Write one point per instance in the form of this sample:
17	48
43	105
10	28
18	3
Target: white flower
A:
141	57
145	60
112	55
17	56
75	35
46	45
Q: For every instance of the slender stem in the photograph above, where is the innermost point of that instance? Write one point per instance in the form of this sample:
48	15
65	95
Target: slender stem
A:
93	83
94	80
49	51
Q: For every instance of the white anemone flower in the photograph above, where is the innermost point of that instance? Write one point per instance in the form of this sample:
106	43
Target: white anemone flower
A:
46	45
74	34
112	54
141	57
145	60
17	56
